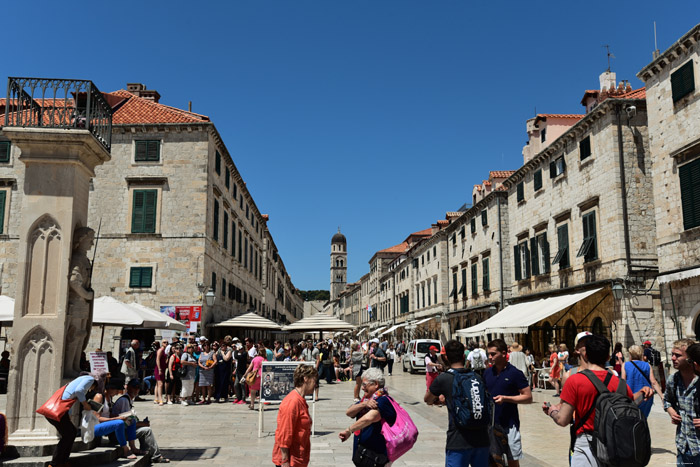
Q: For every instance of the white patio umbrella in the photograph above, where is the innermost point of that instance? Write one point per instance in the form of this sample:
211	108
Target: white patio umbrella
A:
168	322
108	311
320	322
7	308
249	320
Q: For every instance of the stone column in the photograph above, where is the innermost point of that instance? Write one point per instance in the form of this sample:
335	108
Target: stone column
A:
59	164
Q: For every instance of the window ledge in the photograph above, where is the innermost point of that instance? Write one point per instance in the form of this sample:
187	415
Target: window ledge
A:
588	161
539	192
146	180
140	290
524	281
143	236
521	202
558	178
692	233
566	270
136	163
593	263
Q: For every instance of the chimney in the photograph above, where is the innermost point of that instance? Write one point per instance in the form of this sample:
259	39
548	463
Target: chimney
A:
608	80
139	90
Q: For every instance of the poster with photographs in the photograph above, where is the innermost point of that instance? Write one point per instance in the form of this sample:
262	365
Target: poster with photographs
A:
277	380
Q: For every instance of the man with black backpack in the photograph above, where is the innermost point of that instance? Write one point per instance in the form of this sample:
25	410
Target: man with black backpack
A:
508	386
609	428
470	410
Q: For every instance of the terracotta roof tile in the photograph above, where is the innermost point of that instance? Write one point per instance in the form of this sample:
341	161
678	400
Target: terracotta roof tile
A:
501	173
568	116
443	222
135	110
422	233
400	248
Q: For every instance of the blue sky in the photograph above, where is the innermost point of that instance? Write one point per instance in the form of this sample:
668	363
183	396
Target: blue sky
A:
377	116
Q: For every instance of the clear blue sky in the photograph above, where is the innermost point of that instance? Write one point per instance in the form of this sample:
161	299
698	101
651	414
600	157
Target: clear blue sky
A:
377	116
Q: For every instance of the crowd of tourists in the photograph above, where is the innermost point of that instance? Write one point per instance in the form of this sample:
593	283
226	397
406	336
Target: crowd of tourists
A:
481	386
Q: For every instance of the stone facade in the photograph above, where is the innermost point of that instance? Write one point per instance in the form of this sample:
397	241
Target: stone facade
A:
674	134
192	175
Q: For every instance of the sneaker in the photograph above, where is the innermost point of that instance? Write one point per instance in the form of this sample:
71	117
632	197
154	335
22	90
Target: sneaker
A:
185	403
170	402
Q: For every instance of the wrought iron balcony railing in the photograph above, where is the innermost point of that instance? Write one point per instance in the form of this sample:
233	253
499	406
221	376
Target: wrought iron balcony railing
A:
58	103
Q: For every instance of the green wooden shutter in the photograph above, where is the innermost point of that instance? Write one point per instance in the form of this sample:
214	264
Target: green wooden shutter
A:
485	273
564	244
463	289
552	169
137	212
475	290
3	196
153	151
484	217
233	238
215	234
682	81
141	151
4	151
516	260
527	260
473	225
521	191
225	230
537	182
593	250
545	253
135	277
689	175
213	282
533	257
149	211
146	277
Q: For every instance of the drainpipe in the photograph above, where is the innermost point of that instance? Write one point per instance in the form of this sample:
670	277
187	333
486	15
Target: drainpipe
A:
500	251
623	187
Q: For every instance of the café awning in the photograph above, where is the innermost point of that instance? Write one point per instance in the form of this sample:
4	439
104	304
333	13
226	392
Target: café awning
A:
394	328
425	320
515	319
167	322
320	322
375	331
249	320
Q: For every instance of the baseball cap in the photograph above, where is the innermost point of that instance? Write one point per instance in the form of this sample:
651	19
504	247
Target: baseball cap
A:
647	342
374	341
432	347
580	336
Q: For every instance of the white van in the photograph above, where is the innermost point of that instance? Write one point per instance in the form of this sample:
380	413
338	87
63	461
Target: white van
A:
414	359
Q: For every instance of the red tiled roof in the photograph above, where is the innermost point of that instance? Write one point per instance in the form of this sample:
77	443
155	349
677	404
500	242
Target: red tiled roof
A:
640	93
568	116
400	248
443	222
422	233
501	173
136	110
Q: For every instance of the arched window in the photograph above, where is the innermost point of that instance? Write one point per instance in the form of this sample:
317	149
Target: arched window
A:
598	327
341	263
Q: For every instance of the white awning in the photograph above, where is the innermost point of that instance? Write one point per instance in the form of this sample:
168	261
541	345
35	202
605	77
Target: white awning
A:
7	308
249	320
423	321
168	322
515	319
678	276
361	331
374	331
320	322
394	328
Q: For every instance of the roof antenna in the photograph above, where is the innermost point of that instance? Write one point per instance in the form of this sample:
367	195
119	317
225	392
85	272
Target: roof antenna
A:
607	47
656	52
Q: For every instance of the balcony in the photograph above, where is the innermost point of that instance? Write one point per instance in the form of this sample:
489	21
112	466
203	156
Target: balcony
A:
59	103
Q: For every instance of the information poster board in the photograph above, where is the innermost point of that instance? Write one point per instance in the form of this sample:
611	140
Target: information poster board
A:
277	380
186	314
98	362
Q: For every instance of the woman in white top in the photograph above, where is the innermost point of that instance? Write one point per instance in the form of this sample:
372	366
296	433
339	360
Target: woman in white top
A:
390	357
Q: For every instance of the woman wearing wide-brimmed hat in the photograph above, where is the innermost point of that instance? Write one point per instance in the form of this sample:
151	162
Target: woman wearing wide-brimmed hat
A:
518	359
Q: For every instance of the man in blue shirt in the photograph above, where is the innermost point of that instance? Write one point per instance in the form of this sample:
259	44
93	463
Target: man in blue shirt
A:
508	386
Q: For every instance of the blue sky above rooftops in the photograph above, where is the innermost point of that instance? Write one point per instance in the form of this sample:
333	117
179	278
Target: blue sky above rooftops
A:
375	116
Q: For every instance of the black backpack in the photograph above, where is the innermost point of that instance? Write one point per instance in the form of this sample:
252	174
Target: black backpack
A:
621	435
472	405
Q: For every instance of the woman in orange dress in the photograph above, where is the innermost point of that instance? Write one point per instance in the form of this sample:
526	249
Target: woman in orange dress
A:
555	374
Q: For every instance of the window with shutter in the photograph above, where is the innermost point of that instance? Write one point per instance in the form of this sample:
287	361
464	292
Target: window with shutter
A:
589	247
525	252
484	217
3	198
562	256
544	252
516	260
225	230
521	192
689	175
485	274
475	282
584	148
557	167
213	282
227	178
233	238
682	81
454	286
463	289
534	257
223	288
143	211
537	180
235	191
217	162
141	277
215	224
147	151
5	152
473	225
245	254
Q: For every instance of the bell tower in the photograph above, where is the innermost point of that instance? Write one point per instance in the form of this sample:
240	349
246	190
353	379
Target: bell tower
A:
339	264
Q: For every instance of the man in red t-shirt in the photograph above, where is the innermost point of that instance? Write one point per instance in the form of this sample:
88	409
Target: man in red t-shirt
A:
578	395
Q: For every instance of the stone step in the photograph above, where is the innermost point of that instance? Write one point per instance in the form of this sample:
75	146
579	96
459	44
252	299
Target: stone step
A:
104	456
46	449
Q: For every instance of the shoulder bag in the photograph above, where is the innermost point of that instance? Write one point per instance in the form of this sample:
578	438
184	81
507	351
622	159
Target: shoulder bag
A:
56	407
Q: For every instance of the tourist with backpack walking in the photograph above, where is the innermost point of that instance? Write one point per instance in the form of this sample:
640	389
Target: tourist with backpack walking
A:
477	360
682	404
609	428
638	374
470	410
508	386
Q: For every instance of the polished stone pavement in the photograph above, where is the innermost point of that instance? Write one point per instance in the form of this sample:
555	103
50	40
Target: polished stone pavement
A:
227	434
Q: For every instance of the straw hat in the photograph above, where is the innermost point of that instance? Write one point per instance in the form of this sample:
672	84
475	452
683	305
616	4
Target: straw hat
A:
515	347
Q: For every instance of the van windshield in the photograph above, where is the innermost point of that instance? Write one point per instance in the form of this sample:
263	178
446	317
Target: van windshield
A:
423	347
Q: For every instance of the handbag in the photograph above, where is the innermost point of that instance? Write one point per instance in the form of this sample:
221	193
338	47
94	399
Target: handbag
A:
55	408
252	376
364	457
402	435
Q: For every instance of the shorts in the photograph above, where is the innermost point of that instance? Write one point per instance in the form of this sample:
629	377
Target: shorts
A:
582	456
475	457
187	387
515	444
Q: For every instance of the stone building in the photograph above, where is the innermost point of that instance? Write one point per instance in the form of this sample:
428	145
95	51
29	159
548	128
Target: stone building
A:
339	264
174	215
579	217
672	85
